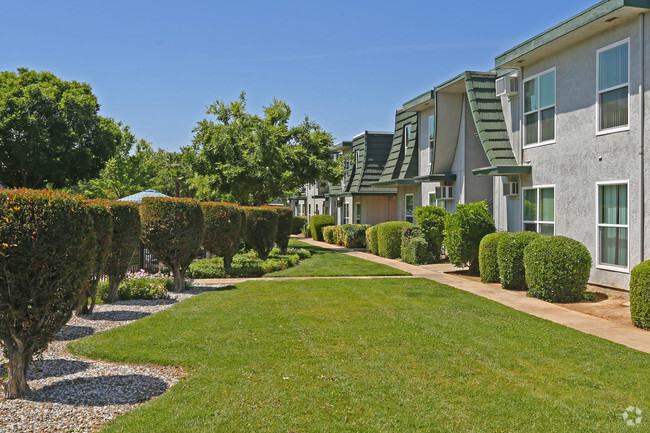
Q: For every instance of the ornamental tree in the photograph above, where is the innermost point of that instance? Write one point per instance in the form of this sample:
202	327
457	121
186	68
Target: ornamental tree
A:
285	221
126	238
261	228
255	159
172	229
46	239
50	132
224	229
464	230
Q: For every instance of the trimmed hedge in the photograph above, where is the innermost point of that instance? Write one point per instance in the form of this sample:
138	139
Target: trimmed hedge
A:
640	295
464	230
338	235
431	221
298	224
172	230
415	248
46	250
352	235
316	224
224	229
372	242
285	225
328	234
126	238
261	228
510	259
389	238
306	231
557	268
487	257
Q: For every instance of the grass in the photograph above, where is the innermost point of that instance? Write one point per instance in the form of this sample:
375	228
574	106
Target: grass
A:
397	355
328	263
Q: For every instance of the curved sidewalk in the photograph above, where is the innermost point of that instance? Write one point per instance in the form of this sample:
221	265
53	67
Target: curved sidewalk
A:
631	337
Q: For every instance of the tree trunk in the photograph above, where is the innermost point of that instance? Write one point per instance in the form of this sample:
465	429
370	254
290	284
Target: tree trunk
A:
227	261
113	286
17	370
179	279
473	268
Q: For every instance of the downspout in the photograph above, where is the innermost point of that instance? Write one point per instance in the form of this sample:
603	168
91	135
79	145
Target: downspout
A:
642	135
520	115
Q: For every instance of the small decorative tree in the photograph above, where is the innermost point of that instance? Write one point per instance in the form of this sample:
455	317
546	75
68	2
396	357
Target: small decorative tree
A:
431	221
464	231
126	238
172	229
261	228
46	239
224	229
285	220
103	226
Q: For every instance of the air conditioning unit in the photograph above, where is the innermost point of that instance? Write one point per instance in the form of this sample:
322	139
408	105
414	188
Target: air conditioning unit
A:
511	189
507	86
444	193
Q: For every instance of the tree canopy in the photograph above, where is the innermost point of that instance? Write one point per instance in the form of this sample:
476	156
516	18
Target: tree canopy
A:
50	132
255	159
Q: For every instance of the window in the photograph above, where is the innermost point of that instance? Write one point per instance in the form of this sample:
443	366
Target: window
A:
539	210
309	209
317	210
434	202
613	226
432	137
613	86
406	136
326	209
539	108
358	212
346	213
409	205
356	157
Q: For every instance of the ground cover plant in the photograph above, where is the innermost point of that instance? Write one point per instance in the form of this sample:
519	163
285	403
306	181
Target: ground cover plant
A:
247	264
395	355
141	285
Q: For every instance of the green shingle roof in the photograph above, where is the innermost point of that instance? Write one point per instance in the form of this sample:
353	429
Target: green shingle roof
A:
402	164
374	149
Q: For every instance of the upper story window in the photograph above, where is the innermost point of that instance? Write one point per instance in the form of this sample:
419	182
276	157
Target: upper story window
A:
432	137
406	136
539	108
356	157
613	86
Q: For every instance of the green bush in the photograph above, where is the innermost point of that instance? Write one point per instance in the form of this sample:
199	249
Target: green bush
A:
316	224
415	248
306	231
285	216
510	259
431	221
261	228
464	230
338	235
126	239
224	229
172	230
640	295
103	227
557	268
372	242
328	234
352	235
389	238
247	265
298	223
46	253
140	285
487	257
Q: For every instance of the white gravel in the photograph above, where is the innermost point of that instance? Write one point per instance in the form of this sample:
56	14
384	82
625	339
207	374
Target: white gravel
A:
75	394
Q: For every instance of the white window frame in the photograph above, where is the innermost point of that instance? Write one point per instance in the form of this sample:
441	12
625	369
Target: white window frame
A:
406	214
346	213
537	221
406	137
357	212
626	269
598	91
431	140
436	201
539	110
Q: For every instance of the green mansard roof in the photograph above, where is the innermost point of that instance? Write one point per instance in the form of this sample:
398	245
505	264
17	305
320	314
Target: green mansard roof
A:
402	164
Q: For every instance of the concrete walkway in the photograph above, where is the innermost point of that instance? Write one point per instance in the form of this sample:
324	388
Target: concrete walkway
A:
631	337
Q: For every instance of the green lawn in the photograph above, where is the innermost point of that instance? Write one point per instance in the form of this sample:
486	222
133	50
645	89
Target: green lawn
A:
328	263
391	355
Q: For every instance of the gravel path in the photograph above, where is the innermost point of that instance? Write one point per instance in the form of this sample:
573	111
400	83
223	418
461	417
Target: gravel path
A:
81	395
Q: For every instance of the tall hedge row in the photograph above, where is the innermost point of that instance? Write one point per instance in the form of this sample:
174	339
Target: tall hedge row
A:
389	238
372	242
298	223
46	251
172	229
126	238
261	228
285	222
224	229
316	224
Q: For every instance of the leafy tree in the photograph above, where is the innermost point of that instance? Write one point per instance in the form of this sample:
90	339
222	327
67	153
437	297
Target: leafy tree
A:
224	229
257	159
464	230
50	133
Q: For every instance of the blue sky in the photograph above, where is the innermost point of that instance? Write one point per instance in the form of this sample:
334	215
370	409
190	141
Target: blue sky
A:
156	66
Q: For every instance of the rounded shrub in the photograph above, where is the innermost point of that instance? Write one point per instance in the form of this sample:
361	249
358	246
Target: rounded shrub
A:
285	217
389	238
415	248
338	235
510	259
261	228
172	229
306	231
464	230
126	239
487	257
640	295
298	223
46	250
224	229
372	242
557	268
316	224
431	221
328	234
353	235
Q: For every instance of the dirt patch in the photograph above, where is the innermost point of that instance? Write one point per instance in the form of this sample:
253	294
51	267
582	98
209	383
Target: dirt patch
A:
605	305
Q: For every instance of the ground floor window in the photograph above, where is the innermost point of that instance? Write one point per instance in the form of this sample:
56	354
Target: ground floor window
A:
309	209
409	203
435	202
539	210
317	210
346	213
613	224
358	213
326	209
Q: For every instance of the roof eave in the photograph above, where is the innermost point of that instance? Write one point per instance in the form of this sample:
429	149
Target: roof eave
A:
502	170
